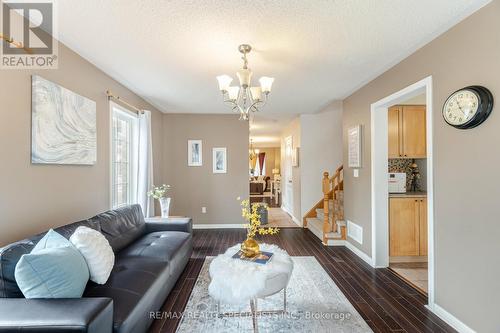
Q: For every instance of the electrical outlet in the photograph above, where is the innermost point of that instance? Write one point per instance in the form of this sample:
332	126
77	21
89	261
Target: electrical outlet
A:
204	210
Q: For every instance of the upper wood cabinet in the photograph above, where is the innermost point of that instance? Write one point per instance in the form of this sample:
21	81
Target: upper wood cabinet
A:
407	227
407	134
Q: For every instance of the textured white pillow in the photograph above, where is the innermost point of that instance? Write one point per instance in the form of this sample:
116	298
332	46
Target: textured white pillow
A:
97	252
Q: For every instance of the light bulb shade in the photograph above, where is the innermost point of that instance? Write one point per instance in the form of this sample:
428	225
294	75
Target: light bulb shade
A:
233	93
266	83
224	82
256	93
245	76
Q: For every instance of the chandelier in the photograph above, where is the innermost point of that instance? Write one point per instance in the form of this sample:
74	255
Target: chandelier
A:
252	157
245	98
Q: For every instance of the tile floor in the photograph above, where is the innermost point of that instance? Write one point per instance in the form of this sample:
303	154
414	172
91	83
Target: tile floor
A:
415	273
277	217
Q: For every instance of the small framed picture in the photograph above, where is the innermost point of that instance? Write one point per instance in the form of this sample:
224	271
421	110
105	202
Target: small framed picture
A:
195	153
219	156
354	146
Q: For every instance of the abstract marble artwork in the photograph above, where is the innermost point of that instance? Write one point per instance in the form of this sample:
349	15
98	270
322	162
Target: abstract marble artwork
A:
63	128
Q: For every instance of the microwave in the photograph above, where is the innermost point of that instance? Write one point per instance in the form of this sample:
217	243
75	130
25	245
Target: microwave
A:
397	182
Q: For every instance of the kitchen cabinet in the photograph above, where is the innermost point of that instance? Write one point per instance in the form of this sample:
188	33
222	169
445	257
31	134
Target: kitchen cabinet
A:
407	131
407	226
423	227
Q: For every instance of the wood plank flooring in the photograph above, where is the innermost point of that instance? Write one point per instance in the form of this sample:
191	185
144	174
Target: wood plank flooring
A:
386	302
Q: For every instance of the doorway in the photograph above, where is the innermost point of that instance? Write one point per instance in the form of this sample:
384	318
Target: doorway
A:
380	185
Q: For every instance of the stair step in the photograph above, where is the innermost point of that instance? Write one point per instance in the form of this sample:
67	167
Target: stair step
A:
315	225
321	215
334	235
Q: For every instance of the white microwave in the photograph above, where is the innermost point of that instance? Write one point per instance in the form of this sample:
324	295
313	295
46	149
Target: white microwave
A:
397	182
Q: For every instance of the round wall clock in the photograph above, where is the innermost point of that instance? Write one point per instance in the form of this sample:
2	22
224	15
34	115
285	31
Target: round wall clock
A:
468	107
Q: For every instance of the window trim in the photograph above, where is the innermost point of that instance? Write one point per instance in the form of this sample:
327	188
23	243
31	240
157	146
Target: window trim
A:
133	151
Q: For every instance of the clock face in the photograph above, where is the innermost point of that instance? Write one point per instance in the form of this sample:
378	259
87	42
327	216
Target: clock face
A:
461	107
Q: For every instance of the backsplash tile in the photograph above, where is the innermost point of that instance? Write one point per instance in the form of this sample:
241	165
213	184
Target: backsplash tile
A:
403	165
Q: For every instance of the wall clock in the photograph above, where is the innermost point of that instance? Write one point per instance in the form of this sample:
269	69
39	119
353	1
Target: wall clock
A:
468	107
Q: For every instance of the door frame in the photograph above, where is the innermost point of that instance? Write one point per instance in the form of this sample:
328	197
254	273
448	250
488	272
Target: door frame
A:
287	195
379	185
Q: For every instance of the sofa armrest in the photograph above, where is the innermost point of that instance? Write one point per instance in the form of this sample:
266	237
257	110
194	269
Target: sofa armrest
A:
155	224
88	315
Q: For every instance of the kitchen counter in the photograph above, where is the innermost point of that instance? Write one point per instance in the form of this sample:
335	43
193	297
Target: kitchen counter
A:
419	194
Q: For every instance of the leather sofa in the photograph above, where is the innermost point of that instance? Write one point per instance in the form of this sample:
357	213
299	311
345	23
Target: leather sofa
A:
149	258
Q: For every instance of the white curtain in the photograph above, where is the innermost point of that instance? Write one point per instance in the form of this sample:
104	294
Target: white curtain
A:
145	165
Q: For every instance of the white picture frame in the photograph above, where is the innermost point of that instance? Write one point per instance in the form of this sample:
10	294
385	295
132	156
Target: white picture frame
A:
195	153
219	160
354	146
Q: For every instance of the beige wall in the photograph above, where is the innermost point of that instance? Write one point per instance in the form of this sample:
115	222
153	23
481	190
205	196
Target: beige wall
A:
34	198
320	151
467	231
197	187
293	130
273	156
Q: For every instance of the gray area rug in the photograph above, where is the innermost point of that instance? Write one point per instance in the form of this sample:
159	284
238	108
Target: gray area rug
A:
315	304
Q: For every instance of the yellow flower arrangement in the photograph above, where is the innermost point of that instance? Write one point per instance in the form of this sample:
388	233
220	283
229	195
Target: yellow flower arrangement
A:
250	213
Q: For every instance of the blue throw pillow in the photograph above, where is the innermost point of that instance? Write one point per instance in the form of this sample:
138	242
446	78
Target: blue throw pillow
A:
53	269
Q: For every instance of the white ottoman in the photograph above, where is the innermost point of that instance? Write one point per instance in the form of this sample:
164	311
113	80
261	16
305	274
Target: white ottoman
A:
238	281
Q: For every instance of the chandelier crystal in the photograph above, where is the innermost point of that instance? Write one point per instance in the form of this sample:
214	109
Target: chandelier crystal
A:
245	98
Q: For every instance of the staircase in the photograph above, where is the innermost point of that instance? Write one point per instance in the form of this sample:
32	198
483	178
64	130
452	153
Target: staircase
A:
326	218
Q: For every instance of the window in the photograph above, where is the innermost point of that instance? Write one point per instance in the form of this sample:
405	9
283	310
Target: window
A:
123	156
257	168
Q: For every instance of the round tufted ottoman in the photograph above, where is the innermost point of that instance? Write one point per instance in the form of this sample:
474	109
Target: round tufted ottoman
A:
237	281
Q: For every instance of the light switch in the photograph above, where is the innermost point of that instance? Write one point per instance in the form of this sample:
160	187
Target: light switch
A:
356	173
204	210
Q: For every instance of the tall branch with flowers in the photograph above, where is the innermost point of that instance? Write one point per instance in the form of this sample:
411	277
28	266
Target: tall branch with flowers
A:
251	214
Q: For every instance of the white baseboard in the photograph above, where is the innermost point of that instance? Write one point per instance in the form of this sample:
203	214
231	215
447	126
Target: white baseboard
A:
450	319
217	226
294	219
359	253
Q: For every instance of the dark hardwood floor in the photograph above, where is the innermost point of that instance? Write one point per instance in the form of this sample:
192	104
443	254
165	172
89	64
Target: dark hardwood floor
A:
387	303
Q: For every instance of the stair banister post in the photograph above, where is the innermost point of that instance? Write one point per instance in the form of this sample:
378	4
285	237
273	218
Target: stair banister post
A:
326	199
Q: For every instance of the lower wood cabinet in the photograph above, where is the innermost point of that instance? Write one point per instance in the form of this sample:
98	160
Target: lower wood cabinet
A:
407	226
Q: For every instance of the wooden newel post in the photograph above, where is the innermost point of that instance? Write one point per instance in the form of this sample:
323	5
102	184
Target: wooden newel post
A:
326	206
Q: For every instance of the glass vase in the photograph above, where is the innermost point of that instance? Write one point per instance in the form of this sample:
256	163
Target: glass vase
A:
165	207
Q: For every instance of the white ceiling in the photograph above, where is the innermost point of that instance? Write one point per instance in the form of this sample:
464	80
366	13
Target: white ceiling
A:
266	129
169	52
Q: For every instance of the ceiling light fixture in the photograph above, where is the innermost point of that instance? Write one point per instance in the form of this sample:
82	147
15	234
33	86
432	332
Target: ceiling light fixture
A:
245	98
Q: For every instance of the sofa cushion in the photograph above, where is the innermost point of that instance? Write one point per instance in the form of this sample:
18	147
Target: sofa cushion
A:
10	255
53	269
133	281
121	226
162	245
97	252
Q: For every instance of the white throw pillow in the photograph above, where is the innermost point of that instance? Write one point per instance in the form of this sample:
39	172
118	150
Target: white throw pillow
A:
97	252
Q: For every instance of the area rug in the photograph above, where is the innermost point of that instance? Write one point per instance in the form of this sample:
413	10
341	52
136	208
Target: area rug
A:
314	304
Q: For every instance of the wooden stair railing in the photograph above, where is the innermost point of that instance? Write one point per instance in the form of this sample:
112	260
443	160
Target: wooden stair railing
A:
331	187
